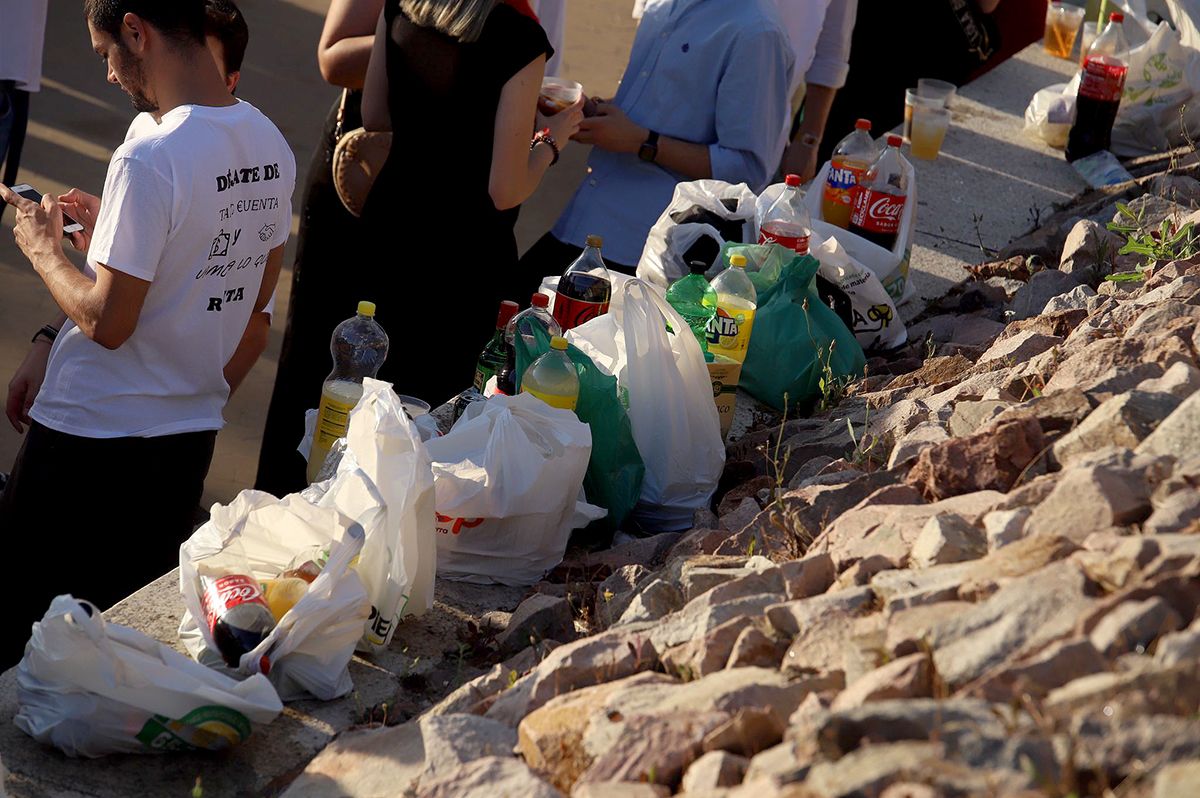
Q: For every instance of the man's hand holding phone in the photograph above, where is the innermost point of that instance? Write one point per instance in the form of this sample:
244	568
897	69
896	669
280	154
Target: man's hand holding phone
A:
84	208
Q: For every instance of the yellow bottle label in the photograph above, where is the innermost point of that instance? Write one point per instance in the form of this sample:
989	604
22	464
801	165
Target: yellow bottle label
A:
729	331
333	418
553	399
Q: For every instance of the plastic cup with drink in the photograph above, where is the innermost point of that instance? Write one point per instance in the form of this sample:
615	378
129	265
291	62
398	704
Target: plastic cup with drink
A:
1062	26
558	95
935	89
929	126
911	101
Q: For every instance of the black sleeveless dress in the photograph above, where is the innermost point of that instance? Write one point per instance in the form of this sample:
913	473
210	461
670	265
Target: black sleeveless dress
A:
430	250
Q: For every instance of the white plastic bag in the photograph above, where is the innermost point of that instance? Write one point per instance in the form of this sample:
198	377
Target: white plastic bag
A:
890	266
507	477
91	688
385	483
672	238
855	293
1051	113
1162	82
309	650
675	422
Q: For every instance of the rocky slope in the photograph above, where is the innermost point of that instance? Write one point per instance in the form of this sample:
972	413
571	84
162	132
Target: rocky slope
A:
978	575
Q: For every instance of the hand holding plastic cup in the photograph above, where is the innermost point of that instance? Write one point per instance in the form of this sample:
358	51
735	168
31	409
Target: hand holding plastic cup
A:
929	126
557	95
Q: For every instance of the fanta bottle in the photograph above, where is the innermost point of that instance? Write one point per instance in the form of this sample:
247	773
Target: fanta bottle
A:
851	159
737	302
553	378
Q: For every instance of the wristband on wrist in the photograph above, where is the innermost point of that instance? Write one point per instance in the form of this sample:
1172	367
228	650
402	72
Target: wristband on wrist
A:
810	141
543	137
49	332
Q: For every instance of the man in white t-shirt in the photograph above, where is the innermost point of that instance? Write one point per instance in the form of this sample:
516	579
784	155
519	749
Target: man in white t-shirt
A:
185	252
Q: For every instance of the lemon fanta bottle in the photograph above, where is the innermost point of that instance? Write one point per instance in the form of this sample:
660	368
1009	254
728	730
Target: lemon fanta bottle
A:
737	302
553	378
359	346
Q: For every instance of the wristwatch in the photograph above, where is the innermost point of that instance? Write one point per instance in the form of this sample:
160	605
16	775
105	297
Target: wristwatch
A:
649	149
49	332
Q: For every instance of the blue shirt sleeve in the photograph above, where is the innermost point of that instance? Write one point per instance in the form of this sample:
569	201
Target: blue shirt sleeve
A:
752	101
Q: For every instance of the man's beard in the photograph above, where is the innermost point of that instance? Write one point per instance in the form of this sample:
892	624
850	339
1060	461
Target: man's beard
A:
135	84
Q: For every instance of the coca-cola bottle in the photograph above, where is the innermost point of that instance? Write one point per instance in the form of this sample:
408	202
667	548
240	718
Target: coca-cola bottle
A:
584	289
1100	88
879	199
787	222
234	606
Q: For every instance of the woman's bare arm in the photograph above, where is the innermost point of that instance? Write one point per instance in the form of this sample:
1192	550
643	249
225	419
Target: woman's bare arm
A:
345	46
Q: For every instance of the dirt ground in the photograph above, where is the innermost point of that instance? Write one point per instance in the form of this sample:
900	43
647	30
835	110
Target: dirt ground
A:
78	118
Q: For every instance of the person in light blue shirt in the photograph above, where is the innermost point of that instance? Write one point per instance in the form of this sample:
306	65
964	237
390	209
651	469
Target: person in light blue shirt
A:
704	95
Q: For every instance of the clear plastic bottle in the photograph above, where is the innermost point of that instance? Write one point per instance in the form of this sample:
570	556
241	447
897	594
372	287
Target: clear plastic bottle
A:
695	300
492	358
553	378
1100	89
359	346
536	315
787	222
851	159
880	198
737	302
584	289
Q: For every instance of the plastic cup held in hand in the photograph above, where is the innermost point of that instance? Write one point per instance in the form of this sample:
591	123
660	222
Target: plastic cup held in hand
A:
558	95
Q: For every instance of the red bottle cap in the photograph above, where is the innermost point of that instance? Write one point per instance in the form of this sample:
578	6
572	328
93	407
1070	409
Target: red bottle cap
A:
863	124
540	300
1116	16
508	309
792	180
894	141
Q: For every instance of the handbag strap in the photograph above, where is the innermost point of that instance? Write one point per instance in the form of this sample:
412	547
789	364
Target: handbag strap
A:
341	116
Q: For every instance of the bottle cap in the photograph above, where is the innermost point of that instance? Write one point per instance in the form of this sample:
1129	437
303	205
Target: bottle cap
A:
595	241
559	343
508	309
792	180
894	141
709	357
366	309
540	300
737	261
862	124
1116	16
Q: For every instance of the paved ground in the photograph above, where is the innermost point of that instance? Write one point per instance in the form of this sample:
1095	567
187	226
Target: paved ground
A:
77	120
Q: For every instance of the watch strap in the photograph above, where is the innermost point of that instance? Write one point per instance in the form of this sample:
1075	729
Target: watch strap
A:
48	331
649	149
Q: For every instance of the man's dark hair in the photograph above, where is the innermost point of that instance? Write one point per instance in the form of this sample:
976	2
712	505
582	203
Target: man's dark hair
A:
224	20
178	20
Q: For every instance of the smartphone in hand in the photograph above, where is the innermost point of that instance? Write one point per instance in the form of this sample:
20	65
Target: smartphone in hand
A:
30	193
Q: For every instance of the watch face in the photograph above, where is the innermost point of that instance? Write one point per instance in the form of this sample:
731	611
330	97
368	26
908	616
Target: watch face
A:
647	152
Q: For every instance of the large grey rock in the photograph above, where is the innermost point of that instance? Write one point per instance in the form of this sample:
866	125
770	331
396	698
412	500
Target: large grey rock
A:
700	615
968	417
1178	434
1123	420
901	589
907	677
1177	779
393	761
1023	615
616	591
539	617
469	696
948	538
656	599
808	576
707	654
870	770
620	789
1032	298
714	769
1075	299
1021	347
1041	672
1133	626
1090	251
912	443
1088	498
1002	527
1180	380
741	516
1179	647
490	777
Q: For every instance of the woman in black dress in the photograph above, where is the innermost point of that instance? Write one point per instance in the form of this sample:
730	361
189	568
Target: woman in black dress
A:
324	291
456	81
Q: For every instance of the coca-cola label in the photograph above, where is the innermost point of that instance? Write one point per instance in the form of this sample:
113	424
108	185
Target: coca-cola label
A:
223	593
570	313
877	212
1103	80
799	244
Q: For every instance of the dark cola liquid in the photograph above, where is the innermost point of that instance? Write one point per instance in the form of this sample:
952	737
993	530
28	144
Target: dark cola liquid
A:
580	297
1092	131
885	240
232	641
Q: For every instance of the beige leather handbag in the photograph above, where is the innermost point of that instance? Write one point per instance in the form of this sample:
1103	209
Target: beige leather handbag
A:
357	160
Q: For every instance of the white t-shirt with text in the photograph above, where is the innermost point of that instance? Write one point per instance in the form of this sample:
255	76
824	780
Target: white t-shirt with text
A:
193	207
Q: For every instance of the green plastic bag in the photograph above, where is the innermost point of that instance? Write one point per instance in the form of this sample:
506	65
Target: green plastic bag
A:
614	475
764	262
791	345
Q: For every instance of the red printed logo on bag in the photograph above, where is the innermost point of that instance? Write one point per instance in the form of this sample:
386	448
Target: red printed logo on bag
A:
453	526
876	211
